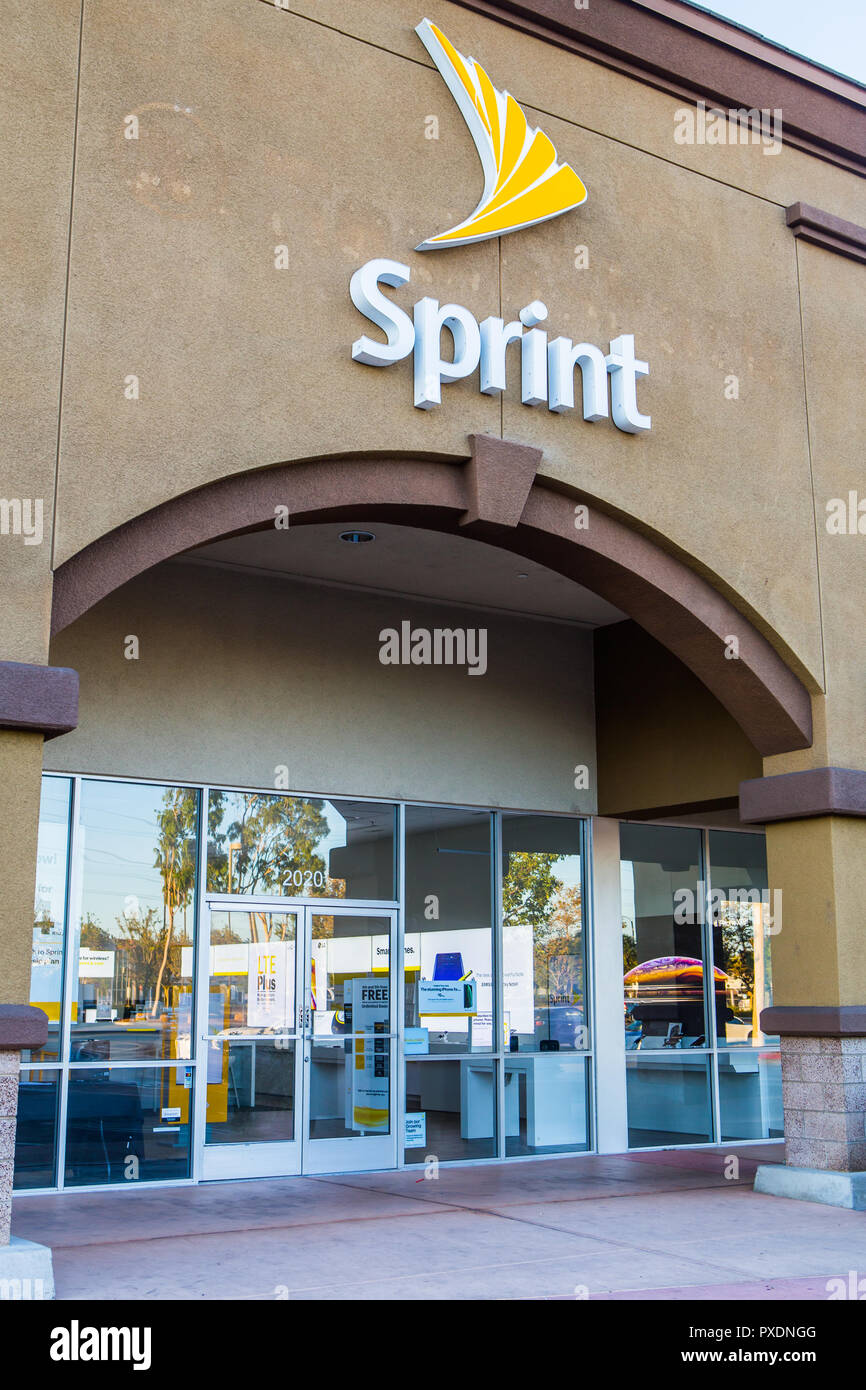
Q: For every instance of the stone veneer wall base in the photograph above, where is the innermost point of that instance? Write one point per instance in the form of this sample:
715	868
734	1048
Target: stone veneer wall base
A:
26	1269
824	1097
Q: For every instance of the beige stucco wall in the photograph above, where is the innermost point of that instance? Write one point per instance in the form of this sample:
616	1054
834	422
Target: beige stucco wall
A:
38	73
239	675
662	739
820	867
38	69
833	292
306	127
20	785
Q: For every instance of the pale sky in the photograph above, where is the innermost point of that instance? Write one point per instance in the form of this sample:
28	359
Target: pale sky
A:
832	32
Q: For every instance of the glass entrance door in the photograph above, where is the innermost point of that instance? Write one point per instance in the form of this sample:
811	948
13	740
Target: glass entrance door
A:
249	1065
349	1042
296	1057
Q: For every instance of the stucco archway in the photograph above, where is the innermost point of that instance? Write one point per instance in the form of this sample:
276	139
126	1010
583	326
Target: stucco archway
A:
492	496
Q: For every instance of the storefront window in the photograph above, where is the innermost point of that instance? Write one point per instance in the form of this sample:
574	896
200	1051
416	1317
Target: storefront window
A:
544	985
36	1133
750	1093
450	1109
742	926
49	913
674	1056
128	1124
662	940
547	1103
544	974
138	911
449	931
669	1098
251	1091
667	1071
125	1092
300	847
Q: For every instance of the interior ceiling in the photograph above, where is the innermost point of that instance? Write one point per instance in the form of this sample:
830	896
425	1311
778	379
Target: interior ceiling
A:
405	560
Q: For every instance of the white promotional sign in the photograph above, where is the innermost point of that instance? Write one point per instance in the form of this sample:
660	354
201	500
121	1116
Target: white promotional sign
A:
270	984
231	959
95	965
50	873
411	952
472	945
370	1069
416	1042
46	971
517	984
415	1130
447	997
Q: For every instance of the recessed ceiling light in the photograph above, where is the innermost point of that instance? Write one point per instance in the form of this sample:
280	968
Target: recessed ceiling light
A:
523	576
357	537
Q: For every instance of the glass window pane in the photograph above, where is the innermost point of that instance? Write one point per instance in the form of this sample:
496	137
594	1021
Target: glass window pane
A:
128	1124
663	958
138	913
251	981
668	1098
542	930
750	1093
450	1109
350	1085
36	1133
300	847
449	930
349	979
49	914
546	1104
741	935
250	1091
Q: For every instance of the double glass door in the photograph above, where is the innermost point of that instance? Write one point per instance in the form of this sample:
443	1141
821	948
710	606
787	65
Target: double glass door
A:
297	1048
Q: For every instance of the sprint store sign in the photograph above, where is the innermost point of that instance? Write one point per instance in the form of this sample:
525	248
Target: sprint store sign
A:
524	184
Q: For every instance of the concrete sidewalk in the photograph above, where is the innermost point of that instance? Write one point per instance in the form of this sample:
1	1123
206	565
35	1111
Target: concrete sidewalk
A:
653	1225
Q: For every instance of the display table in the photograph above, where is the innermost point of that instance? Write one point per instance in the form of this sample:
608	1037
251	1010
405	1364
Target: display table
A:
477	1102
553	1100
555	1104
750	1092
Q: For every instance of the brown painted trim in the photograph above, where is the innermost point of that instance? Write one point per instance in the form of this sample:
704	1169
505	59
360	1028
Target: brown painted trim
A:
38	699
499	475
815	1020
677	607
820	791
824	229
314	489
673	603
703	58
685	808
22	1026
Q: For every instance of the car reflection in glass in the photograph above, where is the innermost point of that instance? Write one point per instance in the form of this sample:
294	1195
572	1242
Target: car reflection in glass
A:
561	1026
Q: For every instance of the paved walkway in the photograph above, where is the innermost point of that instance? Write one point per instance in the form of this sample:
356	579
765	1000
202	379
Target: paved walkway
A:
653	1225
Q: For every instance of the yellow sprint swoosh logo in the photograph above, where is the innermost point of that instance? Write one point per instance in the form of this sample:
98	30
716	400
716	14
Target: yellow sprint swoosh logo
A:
524	183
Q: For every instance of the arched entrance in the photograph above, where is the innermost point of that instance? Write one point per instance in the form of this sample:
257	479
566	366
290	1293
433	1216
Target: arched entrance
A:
493	496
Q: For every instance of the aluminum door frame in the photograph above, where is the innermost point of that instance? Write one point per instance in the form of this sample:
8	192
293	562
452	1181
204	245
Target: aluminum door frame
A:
281	1158
301	1154
371	1152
